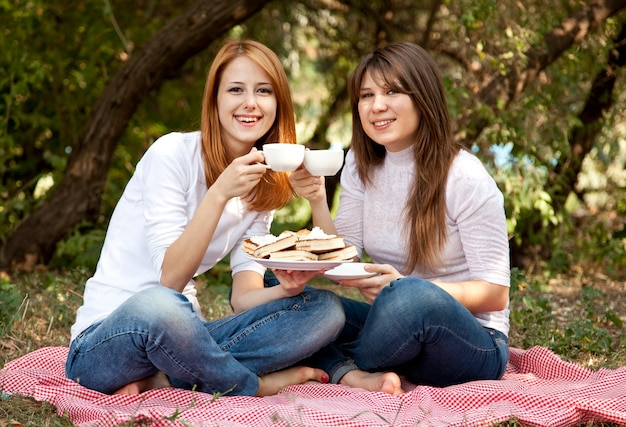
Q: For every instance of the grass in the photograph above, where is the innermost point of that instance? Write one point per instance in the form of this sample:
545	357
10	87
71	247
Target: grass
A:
579	319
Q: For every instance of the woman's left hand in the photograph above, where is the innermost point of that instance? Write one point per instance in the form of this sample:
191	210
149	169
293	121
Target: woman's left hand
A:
371	286
294	281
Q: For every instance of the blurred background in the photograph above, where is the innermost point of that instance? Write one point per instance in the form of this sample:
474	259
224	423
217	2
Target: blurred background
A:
536	90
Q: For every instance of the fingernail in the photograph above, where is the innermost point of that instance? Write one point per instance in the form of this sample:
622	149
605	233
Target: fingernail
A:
325	378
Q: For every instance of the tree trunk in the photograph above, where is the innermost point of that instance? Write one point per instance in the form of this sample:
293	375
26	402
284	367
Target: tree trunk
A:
599	101
77	196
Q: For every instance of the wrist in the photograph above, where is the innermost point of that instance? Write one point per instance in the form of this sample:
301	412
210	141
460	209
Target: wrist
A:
216	196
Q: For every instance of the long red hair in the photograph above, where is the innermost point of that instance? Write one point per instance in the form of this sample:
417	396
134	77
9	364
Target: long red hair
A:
274	190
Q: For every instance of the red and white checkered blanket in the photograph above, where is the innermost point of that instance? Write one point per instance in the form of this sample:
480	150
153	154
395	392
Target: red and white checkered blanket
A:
538	389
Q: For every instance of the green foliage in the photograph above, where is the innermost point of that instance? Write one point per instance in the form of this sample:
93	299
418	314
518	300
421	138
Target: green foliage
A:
294	216
534	130
10	300
587	329
528	310
59	56
588	334
81	249
41	302
30	413
594	241
47	93
530	204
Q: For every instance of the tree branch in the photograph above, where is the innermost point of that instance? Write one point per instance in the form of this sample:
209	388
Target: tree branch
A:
504	88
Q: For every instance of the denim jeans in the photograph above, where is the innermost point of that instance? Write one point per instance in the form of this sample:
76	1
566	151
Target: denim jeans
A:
418	330
157	330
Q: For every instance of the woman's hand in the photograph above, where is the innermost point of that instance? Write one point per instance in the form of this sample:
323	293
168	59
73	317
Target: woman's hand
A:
248	290
294	281
241	176
313	189
308	186
371	286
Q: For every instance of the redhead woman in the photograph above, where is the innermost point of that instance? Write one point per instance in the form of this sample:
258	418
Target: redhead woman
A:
432	220
191	201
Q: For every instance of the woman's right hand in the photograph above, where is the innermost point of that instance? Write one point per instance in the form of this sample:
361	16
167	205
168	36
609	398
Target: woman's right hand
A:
241	176
313	189
308	186
293	281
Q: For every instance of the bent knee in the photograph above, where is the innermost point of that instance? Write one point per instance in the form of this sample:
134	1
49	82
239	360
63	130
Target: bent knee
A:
158	303
329	305
412	287
407	295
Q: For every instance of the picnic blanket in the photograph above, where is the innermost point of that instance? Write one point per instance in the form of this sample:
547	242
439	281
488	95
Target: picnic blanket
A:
538	389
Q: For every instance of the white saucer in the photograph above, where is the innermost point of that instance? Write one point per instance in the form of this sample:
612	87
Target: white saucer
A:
353	270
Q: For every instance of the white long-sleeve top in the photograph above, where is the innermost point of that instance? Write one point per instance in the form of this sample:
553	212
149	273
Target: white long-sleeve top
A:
373	219
157	204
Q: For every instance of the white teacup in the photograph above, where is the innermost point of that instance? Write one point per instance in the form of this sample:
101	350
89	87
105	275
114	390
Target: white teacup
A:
323	162
283	157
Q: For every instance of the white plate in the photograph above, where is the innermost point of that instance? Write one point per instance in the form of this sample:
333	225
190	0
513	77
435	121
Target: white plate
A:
298	265
350	271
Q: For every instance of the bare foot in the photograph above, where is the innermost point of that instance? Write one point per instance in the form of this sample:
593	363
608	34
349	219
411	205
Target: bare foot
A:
386	382
274	382
159	380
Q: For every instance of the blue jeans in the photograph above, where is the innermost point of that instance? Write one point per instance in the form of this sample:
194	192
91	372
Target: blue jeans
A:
418	330
157	330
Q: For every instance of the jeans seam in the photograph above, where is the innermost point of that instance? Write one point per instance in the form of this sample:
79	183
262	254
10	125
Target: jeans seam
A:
250	329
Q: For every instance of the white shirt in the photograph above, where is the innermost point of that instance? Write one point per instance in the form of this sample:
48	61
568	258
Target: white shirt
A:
476	248
157	204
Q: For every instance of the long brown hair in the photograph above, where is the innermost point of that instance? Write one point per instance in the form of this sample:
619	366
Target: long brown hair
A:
407	68
274	190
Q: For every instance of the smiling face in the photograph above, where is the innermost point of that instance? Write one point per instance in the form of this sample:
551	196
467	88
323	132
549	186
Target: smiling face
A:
246	104
388	117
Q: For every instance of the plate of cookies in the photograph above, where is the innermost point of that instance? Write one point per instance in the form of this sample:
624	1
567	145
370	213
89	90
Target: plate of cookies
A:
304	250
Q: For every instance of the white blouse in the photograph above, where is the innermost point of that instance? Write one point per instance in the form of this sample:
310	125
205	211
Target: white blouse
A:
476	248
157	204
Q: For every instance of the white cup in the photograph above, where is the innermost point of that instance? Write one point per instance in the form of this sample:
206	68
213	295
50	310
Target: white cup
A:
283	157
323	162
